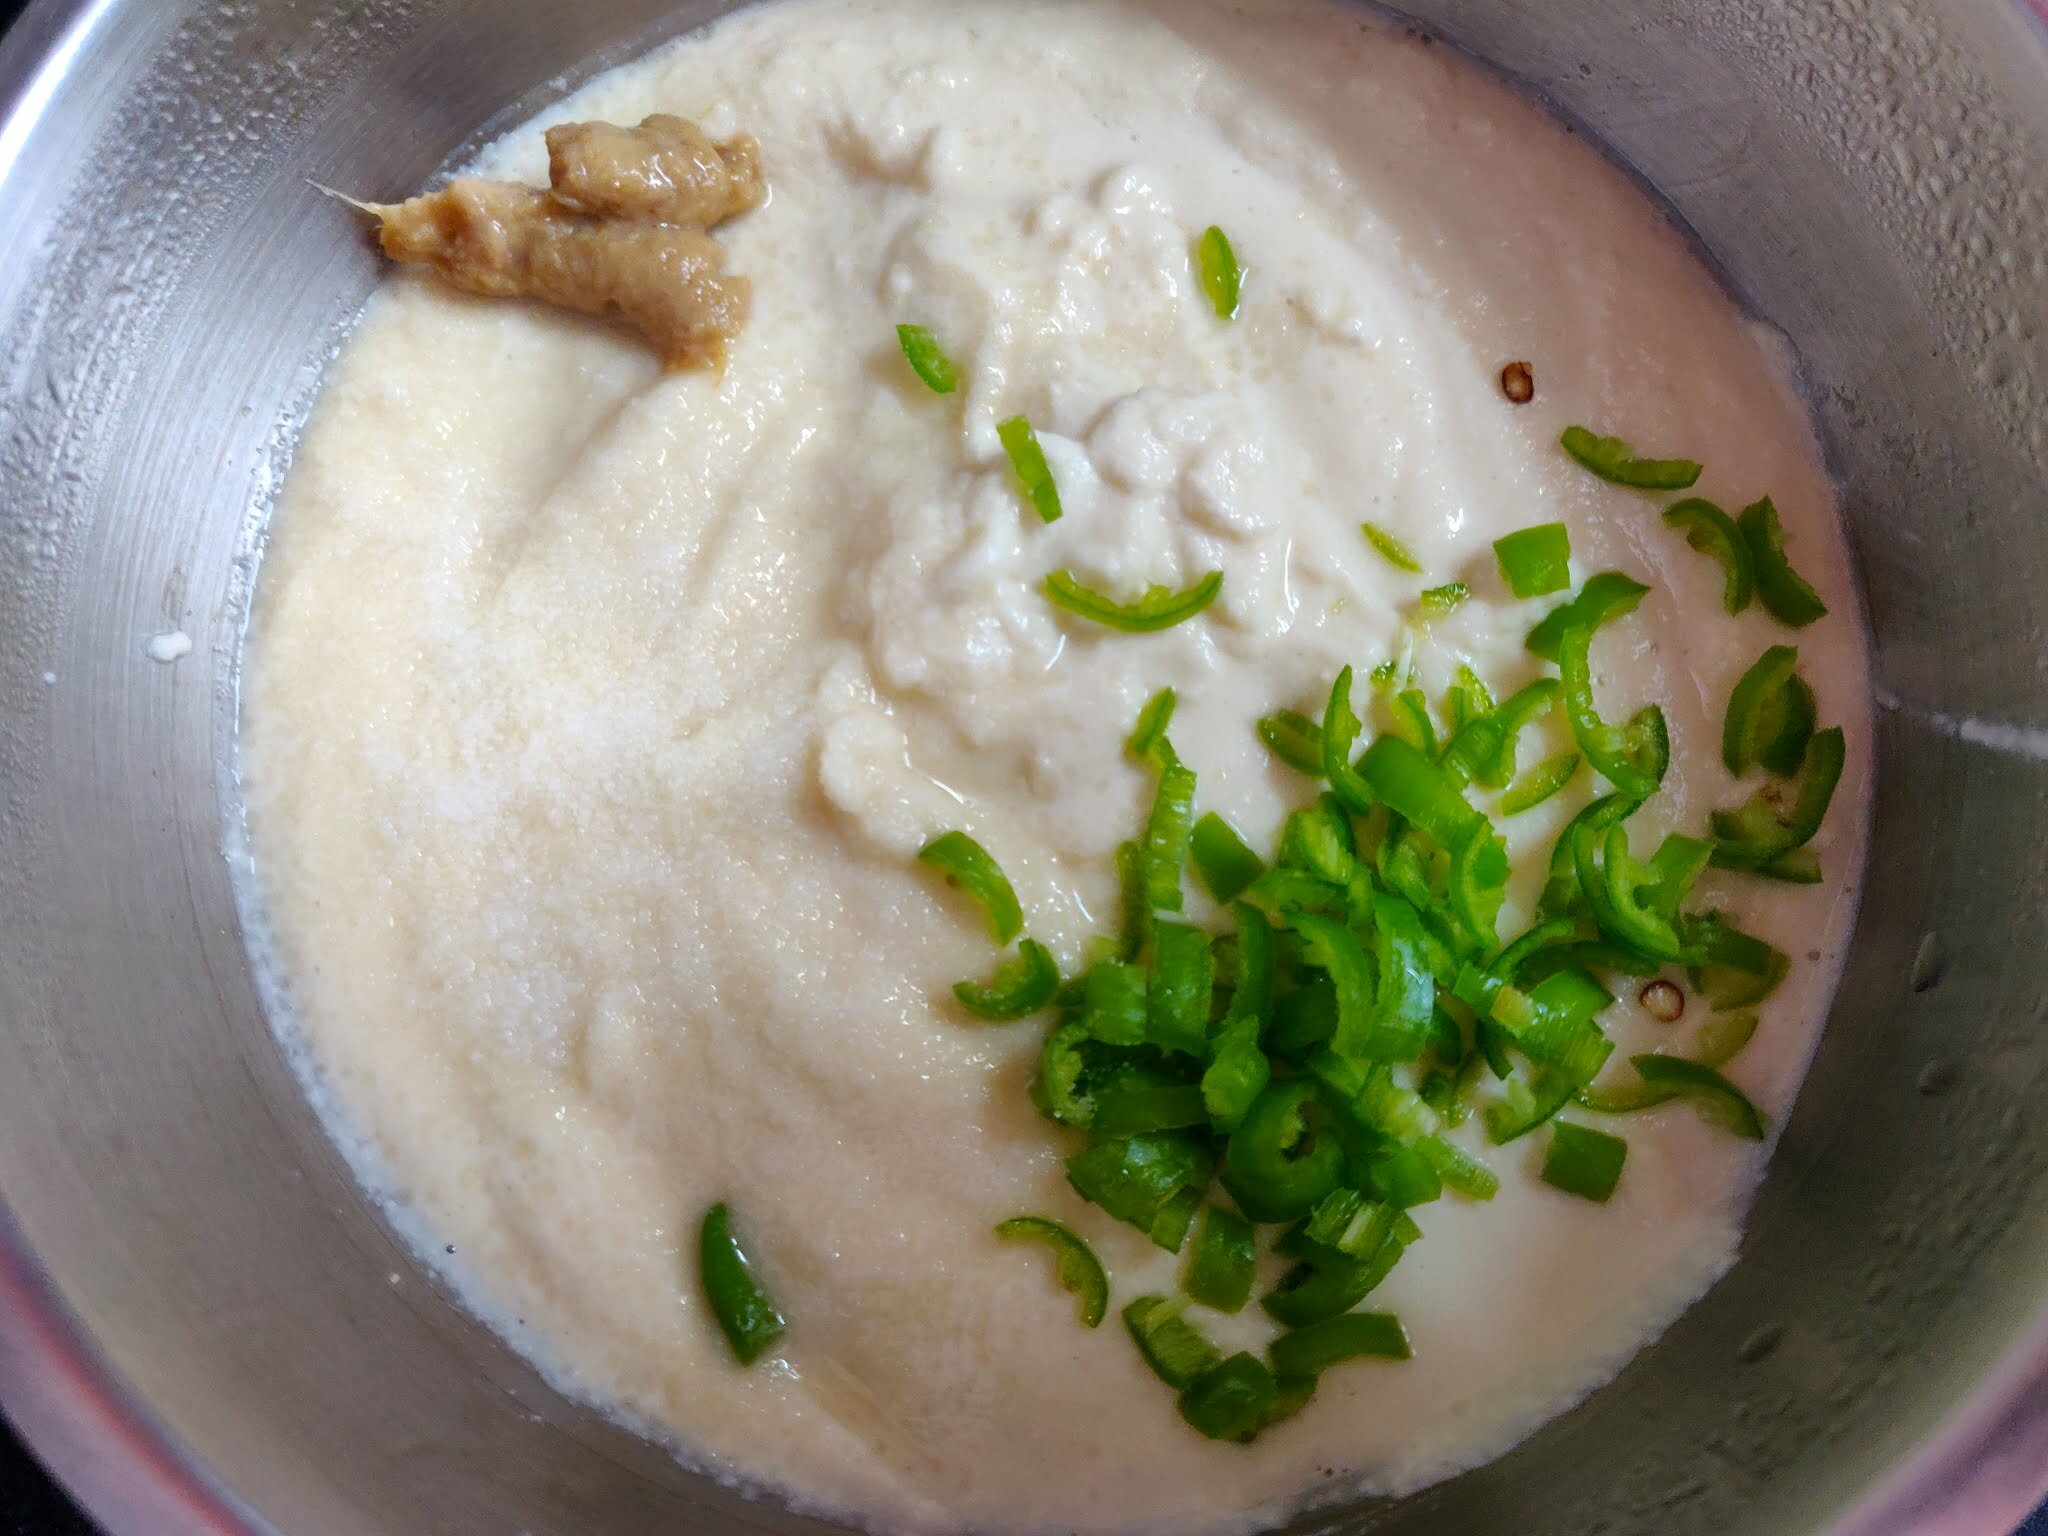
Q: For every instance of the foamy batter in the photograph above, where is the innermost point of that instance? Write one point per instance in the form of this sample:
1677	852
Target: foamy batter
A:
593	717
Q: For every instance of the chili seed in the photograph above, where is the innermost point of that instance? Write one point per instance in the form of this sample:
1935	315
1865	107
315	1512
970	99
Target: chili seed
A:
1662	1001
1518	383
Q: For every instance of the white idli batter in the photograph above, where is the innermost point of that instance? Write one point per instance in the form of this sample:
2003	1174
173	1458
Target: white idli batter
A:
593	717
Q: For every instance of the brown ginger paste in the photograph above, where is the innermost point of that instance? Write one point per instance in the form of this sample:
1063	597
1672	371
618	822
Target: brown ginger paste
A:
622	230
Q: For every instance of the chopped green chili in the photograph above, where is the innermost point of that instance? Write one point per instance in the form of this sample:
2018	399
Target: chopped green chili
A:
1537	561
1356	1336
1717	1043
1540	783
1435	602
1607	595
1158	608
1113	1006
966	864
1183	980
1328	1284
1222	278
1746	731
1738	970
1078	1269
1147	742
1170	1227
1169	830
1168	1342
1713	532
1279	1164
1027	460
1133	1178
1639	916
1459	1169
1717	1099
1410	709
1233	1400
1224	861
1782	590
1019	988
928	359
1583	1162
1391	549
1339	731
1402	1176
1295	739
1137	1103
1614	460
1221	1264
1633	756
1752	837
1787	726
749	1320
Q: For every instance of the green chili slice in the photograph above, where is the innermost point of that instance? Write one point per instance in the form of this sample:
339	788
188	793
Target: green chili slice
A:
1436	602
1295	739
1607	595
1391	549
1158	608
1059	1089
1631	757
1484	750
1222	278
1713	532
1553	1022
1170	1227
1027	460
1615	461
1078	1269
1137	1103
1787	726
1717	1043
1113	1003
1782	590
1537	561
966	864
1752	837
1318	839
1168	1342
749	1320
1183	981
1147	742
1349	1223
1328	1284
1134	1177
1019	988
1233	1400
1540	783
1331	946
1279	1163
1339	732
1223	860
1757	715
1238	1070
1633	904
1583	1162
1401	1176
1719	1101
1410	709
1561	893
1459	1169
928	359
1222	1262
1356	1336
1168	831
1738	970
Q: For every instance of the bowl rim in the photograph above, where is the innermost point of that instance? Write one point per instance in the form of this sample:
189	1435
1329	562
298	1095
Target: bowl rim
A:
1980	1472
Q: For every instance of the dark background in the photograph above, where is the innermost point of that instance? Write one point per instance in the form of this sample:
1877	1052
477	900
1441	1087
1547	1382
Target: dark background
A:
30	1504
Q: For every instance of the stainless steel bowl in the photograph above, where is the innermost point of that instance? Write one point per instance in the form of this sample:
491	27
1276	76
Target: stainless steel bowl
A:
203	1326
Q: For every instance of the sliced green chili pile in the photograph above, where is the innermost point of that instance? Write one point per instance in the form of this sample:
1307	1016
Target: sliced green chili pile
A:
1273	1082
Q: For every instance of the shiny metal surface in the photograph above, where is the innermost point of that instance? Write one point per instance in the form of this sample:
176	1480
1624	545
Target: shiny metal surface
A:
205	1329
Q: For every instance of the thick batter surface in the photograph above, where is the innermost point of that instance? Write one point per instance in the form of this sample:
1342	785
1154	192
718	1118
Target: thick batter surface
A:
594	716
